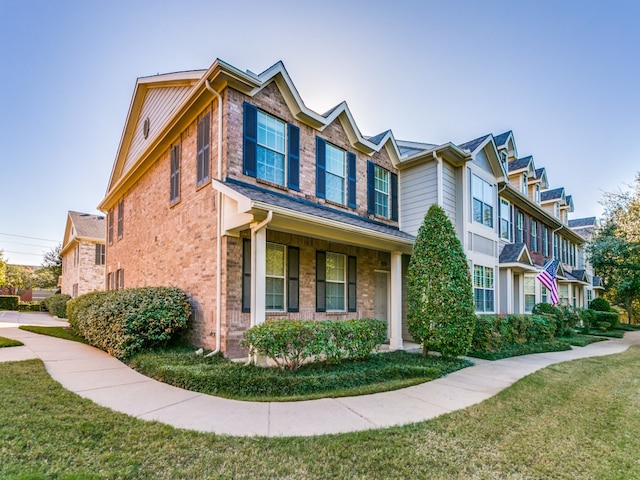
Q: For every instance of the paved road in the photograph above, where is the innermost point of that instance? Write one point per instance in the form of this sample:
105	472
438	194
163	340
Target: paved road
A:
93	374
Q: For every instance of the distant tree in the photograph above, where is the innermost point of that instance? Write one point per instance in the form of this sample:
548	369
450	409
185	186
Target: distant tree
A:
19	277
3	270
441	309
614	250
51	268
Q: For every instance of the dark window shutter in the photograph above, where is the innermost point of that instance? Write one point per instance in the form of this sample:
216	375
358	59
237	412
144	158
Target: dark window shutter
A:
351	176
98	254
321	275
394	197
371	189
203	150
246	275
293	288
206	153
250	145
321	180
294	157
352	284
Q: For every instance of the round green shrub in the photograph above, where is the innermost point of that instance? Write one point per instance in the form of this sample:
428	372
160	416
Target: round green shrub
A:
57	304
123	322
600	304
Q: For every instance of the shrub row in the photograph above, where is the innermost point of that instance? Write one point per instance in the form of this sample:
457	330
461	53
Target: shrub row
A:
123	322
599	320
9	302
501	332
29	307
56	305
290	343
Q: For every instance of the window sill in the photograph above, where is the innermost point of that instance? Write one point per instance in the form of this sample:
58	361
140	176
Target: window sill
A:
335	204
272	184
174	203
203	185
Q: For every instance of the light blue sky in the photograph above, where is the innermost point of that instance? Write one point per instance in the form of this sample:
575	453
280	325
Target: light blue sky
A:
563	75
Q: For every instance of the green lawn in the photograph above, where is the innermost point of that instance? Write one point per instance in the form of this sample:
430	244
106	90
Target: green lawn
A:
58	332
8	342
574	420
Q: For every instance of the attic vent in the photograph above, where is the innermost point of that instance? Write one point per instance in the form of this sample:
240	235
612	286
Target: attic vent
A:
145	127
85	215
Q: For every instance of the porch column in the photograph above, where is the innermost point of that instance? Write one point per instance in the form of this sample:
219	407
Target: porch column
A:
395	314
258	275
510	291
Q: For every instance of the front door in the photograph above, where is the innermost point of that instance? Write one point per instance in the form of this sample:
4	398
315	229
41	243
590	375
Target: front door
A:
381	301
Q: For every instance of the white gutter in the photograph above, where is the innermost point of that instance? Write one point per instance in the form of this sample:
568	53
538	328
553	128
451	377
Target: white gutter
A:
219	228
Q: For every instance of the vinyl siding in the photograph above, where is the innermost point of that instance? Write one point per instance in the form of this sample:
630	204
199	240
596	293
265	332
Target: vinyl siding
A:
418	191
449	191
158	105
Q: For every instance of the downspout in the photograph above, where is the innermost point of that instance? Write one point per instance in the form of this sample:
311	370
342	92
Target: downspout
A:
219	228
439	181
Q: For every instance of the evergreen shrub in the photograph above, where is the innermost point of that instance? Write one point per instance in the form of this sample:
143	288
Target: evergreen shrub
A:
9	302
123	322
56	305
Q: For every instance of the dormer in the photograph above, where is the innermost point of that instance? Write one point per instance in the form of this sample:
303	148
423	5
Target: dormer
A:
552	200
521	171
506	147
565	209
537	184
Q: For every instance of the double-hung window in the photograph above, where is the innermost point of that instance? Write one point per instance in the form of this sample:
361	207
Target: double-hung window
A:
120	218
545	241
529	293
100	253
483	288
519	227
110	226
533	234
505	220
276	277
270	148
544	294
203	150
525	184
335	174
270	153
563	294
336	268
381	186
336	281
483	201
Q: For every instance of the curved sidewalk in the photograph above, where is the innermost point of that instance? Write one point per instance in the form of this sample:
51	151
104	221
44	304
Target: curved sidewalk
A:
93	374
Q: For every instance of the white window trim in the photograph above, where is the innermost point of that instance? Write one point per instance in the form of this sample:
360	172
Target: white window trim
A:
344	282
386	194
284	152
343	176
284	280
481	199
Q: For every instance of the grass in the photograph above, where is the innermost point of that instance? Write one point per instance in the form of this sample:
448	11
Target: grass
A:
8	342
524	349
626	327
573	420
605	333
221	377
580	340
58	332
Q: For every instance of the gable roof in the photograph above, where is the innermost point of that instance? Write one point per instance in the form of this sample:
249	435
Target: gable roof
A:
83	226
520	163
549	195
516	255
502	138
582	222
473	145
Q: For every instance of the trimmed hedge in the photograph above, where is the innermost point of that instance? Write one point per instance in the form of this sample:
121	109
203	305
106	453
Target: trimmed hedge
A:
502	332
9	302
290	343
600	304
56	305
29	307
124	322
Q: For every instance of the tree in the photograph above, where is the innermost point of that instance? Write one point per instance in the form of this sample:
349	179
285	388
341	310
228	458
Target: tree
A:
614	250
47	276
441	310
3	270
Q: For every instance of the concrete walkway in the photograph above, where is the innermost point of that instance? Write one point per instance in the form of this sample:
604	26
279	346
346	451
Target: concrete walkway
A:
93	374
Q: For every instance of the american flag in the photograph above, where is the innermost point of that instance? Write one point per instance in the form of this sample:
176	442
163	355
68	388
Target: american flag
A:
548	278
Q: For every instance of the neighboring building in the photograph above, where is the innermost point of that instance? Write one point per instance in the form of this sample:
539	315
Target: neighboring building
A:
585	227
226	185
83	254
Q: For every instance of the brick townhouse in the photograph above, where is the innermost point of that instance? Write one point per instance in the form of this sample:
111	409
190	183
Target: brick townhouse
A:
226	185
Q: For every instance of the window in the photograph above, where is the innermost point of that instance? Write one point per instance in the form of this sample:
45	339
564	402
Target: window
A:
589	296
556	246
519	227
537	199
545	241
110	226
203	150
271	148
335	282
120	278
564	251
533	234
100	253
174	178
483	288
120	217
381	192
76	255
544	294
563	294
529	293
335	174
525	184
276	268
270	153
282	277
505	220
482	193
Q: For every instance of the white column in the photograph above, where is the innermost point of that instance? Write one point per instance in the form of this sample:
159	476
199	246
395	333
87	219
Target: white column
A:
395	313
509	291
258	275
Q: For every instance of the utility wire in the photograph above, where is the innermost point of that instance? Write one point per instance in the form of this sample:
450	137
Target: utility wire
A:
25	244
31	238
24	253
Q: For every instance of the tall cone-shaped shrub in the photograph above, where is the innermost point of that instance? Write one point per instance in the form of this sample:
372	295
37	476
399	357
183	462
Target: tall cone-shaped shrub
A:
441	312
